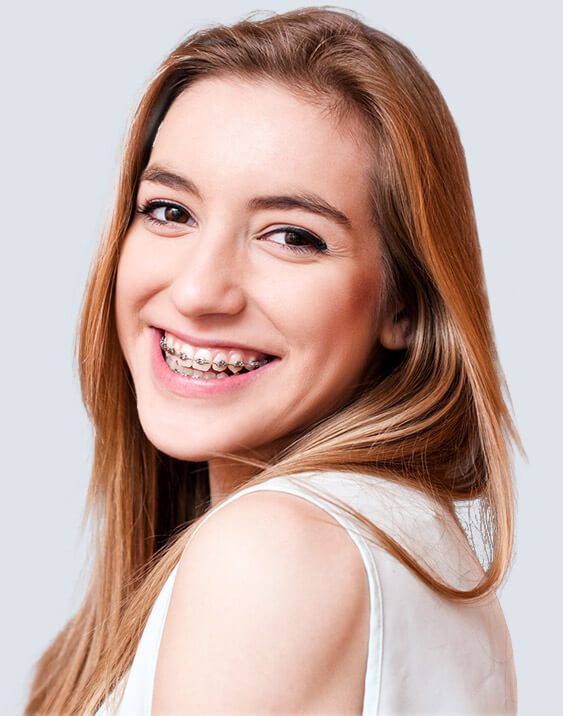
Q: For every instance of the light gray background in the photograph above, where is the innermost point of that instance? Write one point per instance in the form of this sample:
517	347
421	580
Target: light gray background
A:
72	73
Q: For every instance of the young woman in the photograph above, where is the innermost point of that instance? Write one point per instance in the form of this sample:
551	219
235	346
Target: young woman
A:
287	354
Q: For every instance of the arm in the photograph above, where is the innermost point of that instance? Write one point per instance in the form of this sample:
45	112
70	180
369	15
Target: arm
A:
269	614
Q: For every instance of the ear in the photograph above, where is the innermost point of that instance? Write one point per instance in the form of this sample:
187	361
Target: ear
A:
394	333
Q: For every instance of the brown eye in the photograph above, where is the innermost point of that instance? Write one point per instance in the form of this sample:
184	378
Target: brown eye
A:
171	213
297	240
164	213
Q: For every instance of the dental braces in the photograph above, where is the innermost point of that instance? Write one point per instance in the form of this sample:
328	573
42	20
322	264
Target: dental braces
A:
251	365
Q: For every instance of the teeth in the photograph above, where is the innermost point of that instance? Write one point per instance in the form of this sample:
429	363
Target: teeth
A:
220	362
185	355
236	363
192	372
173	363
202	359
176	365
252	363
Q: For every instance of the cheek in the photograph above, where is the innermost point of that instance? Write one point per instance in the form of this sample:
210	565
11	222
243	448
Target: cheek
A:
136	281
333	309
365	302
132	274
140	274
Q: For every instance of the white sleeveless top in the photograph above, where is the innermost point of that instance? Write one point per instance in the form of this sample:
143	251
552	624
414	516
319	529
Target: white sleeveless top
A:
426	654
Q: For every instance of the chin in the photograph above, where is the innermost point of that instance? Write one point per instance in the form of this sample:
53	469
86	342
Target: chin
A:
173	448
185	443
182	447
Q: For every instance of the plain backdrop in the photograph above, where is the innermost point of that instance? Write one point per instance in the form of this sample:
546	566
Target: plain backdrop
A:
72	74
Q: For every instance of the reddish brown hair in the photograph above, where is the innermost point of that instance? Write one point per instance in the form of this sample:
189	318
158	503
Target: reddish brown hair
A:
434	416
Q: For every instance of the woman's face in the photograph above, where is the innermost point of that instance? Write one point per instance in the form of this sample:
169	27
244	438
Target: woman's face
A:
254	243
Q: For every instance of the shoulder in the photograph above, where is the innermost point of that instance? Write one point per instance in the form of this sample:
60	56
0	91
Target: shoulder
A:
270	595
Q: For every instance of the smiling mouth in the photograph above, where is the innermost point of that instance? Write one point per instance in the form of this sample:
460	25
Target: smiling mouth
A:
204	366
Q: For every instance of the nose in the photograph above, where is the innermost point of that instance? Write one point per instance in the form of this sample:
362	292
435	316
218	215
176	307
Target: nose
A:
210	279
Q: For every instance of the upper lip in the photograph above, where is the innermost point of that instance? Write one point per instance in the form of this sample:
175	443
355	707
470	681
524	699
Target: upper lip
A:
209	342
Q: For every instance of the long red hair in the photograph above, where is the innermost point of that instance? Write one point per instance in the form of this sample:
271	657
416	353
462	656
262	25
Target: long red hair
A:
435	416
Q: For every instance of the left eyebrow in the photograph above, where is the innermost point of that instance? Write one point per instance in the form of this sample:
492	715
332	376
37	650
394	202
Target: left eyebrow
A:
302	200
309	202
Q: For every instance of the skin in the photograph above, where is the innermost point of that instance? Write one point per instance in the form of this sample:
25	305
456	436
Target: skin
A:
218	270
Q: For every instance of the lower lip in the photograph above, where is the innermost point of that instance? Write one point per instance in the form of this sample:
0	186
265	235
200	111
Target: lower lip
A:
189	387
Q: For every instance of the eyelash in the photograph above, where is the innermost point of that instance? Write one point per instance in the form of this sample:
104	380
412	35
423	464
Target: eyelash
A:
317	245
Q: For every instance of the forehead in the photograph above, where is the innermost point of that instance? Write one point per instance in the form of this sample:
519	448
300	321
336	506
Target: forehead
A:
261	132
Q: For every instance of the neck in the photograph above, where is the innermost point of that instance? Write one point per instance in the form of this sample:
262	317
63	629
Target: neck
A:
225	476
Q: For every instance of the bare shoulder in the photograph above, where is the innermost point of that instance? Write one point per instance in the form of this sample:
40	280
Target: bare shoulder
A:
269	614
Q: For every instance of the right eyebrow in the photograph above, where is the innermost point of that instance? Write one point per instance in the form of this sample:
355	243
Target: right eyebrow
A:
169	179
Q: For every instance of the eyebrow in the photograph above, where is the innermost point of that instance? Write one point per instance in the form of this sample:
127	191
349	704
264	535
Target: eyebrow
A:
301	200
